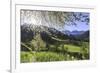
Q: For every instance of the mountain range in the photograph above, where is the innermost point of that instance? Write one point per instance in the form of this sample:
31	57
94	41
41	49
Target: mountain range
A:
75	32
29	31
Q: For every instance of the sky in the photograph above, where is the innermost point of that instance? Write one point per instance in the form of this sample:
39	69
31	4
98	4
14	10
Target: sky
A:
81	26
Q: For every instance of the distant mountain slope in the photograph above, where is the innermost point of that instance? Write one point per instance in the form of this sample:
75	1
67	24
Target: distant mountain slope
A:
85	36
77	35
75	32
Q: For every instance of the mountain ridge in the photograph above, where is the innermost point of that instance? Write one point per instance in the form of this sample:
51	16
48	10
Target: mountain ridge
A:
29	31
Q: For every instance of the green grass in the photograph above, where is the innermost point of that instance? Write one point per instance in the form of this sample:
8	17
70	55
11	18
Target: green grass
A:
48	56
41	57
27	57
63	52
73	48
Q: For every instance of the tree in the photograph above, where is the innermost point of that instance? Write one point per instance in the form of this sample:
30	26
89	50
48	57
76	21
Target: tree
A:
53	18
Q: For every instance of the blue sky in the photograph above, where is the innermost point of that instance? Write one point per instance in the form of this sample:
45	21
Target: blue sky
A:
81	26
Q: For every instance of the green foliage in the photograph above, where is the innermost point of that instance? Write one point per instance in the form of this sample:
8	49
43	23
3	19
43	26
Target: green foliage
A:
85	50
63	52
37	44
48	56
62	48
26	57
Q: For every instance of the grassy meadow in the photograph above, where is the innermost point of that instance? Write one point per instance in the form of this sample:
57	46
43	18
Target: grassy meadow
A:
65	52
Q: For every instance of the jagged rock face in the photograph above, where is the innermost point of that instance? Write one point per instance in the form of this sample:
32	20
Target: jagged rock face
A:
28	32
